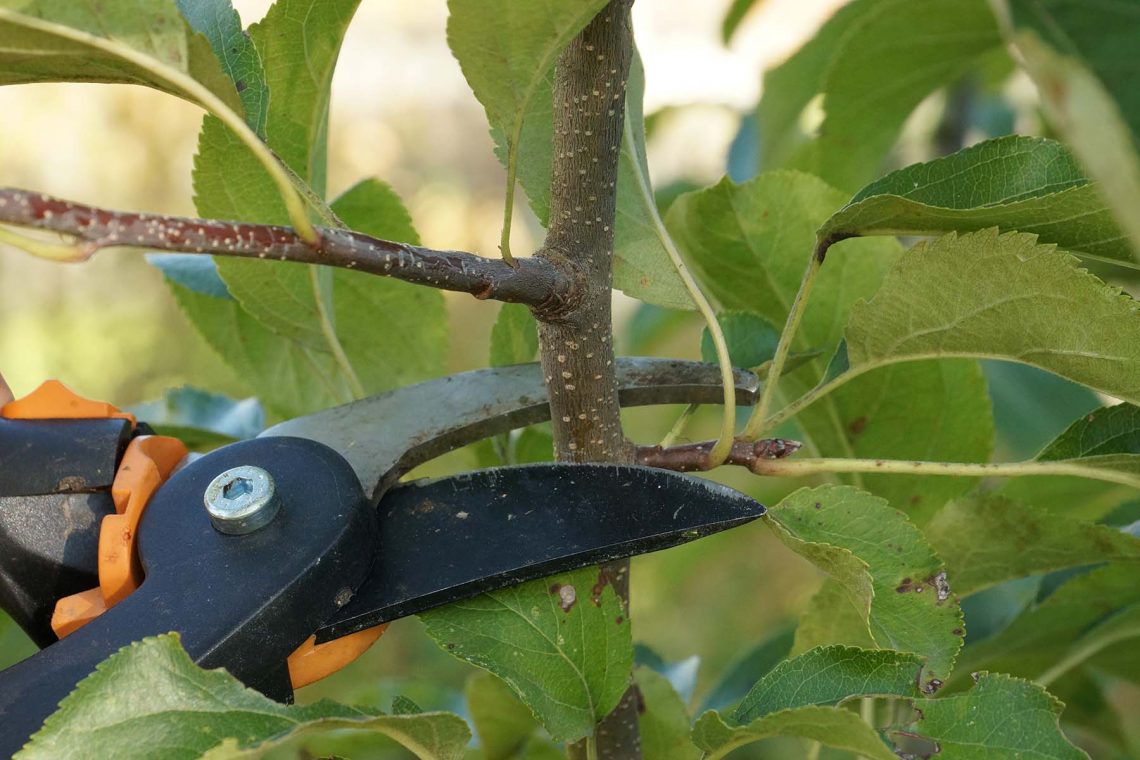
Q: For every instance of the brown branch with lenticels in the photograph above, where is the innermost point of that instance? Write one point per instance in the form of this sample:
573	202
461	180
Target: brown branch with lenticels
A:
696	457
548	288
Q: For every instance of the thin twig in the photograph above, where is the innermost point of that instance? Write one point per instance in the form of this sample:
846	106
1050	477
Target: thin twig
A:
536	282
697	457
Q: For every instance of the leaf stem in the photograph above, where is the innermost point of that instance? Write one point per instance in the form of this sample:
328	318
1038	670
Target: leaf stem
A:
1095	643
757	424
328	330
45	249
804	467
728	422
678	426
824	387
509	202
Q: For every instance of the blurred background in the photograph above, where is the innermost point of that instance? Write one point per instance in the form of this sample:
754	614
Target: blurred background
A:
401	111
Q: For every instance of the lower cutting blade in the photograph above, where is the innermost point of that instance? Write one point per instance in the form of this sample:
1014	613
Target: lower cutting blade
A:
452	538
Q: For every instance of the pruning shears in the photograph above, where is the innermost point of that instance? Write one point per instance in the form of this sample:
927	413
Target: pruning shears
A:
283	557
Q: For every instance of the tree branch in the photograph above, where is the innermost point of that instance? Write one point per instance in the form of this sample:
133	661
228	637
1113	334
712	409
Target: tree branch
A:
577	350
697	457
550	289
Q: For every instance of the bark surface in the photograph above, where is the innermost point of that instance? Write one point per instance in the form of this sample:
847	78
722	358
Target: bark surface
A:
577	348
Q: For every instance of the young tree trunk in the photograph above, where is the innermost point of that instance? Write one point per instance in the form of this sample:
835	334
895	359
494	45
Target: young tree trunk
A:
577	349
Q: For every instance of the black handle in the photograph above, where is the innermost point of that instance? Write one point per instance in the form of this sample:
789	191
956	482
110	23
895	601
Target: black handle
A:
239	602
55	489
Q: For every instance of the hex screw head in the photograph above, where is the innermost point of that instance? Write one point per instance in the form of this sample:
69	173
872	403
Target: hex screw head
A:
241	500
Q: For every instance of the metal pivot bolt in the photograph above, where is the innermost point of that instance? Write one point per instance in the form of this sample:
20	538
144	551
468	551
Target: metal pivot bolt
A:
241	500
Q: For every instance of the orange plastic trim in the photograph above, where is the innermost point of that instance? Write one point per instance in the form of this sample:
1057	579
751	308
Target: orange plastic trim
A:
311	661
75	611
147	463
55	401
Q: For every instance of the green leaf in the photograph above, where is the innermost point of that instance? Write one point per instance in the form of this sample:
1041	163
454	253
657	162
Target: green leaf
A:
1000	718
282	296
830	726
1003	297
1044	633
664	722
319	311
191	271
503	724
681	675
562	644
375	209
1081	58
288	378
751	339
534	444
836	614
750	243
987	539
197	408
642	267
736	13
749	668
1108	430
514	337
1024	184
885	566
150	700
393	332
831	676
1031	406
301	40
1091	438
929	411
201	420
856	63
14	643
515	88
1122	626
1105	439
507	51
789	88
124	42
149	44
221	25
402	705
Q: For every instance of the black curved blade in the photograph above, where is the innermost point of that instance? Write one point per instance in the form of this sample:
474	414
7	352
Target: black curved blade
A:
452	538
